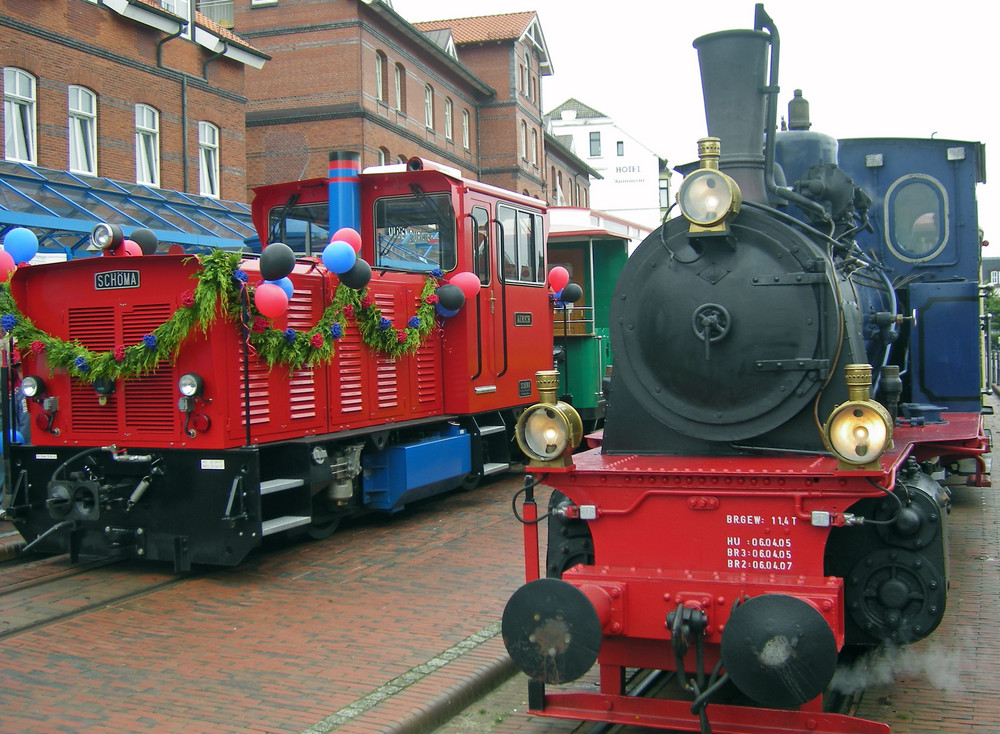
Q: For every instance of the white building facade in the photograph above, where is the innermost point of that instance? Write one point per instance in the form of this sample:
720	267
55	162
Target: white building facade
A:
630	187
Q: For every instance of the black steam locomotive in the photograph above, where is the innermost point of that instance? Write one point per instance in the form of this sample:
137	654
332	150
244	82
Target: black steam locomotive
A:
768	493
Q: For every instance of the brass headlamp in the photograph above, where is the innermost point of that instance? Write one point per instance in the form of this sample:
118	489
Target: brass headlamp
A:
858	431
549	430
708	198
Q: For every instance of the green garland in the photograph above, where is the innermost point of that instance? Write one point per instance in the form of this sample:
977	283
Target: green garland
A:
217	280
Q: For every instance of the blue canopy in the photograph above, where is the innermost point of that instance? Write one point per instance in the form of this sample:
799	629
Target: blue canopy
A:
62	209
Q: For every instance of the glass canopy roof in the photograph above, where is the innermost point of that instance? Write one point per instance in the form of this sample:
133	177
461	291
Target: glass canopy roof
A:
62	208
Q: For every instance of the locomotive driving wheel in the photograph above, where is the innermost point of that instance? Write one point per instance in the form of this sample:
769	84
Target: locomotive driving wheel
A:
896	595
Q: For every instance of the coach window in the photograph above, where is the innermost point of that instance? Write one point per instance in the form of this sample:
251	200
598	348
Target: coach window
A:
523	249
916	210
481	217
415	233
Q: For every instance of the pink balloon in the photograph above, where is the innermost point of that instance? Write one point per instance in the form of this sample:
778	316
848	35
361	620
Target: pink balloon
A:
7	266
467	282
558	278
348	235
270	300
131	249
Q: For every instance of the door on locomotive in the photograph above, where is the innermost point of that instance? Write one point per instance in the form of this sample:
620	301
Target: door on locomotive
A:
925	231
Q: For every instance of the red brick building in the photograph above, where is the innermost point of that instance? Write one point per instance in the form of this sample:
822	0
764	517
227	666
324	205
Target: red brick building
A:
144	91
353	74
155	92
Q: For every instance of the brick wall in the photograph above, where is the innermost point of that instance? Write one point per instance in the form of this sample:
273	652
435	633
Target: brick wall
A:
67	42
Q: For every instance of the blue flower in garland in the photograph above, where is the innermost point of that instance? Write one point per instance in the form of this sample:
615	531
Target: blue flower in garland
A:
240	276
384	323
81	364
8	322
414	322
336	331
150	341
437	273
290	335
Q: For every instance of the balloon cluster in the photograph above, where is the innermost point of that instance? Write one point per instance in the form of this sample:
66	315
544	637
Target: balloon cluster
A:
341	257
19	246
453	295
276	262
564	291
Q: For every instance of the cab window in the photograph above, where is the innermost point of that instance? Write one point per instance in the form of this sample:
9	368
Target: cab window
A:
415	233
303	228
916	218
522	254
481	223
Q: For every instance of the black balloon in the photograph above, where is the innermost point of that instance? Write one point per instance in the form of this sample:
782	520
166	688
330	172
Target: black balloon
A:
358	276
276	261
146	239
571	293
450	297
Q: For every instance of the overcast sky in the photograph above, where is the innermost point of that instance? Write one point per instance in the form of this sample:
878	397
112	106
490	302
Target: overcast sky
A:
869	68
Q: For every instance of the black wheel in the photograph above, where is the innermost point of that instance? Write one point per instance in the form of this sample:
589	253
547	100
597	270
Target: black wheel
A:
471	481
323	527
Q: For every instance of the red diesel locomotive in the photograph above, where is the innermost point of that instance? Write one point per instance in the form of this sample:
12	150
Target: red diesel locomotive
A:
751	515
184	407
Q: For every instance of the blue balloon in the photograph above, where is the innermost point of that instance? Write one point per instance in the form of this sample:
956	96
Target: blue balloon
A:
446	313
339	257
285	284
21	244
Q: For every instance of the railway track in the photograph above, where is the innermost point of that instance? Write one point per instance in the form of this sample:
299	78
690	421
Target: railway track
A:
41	593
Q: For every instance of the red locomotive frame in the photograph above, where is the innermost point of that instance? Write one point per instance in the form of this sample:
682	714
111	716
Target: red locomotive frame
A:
750	526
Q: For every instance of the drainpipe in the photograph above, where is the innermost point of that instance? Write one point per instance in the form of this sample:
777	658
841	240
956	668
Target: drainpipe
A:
184	95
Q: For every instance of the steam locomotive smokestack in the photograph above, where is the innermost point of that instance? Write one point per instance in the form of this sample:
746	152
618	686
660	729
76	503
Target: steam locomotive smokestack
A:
734	80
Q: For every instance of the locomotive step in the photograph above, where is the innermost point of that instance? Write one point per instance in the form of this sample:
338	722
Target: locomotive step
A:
278	524
494	468
279	485
487	430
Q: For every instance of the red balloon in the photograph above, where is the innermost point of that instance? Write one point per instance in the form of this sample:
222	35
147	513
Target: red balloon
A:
131	249
467	282
7	266
558	278
348	235
271	300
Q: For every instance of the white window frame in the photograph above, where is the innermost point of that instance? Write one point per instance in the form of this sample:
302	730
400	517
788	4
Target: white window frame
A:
398	82
82	130
147	145
527	73
447	118
465	129
522	140
380	61
534	147
19	116
428	106
208	160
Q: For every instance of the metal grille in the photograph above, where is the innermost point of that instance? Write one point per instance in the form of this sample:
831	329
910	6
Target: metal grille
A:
428	373
93	327
386	373
349	353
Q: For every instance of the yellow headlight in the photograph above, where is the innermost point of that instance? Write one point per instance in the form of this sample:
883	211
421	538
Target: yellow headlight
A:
858	431
708	197
548	431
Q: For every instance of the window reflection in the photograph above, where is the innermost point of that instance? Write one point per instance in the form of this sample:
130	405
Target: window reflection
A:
415	233
917	218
